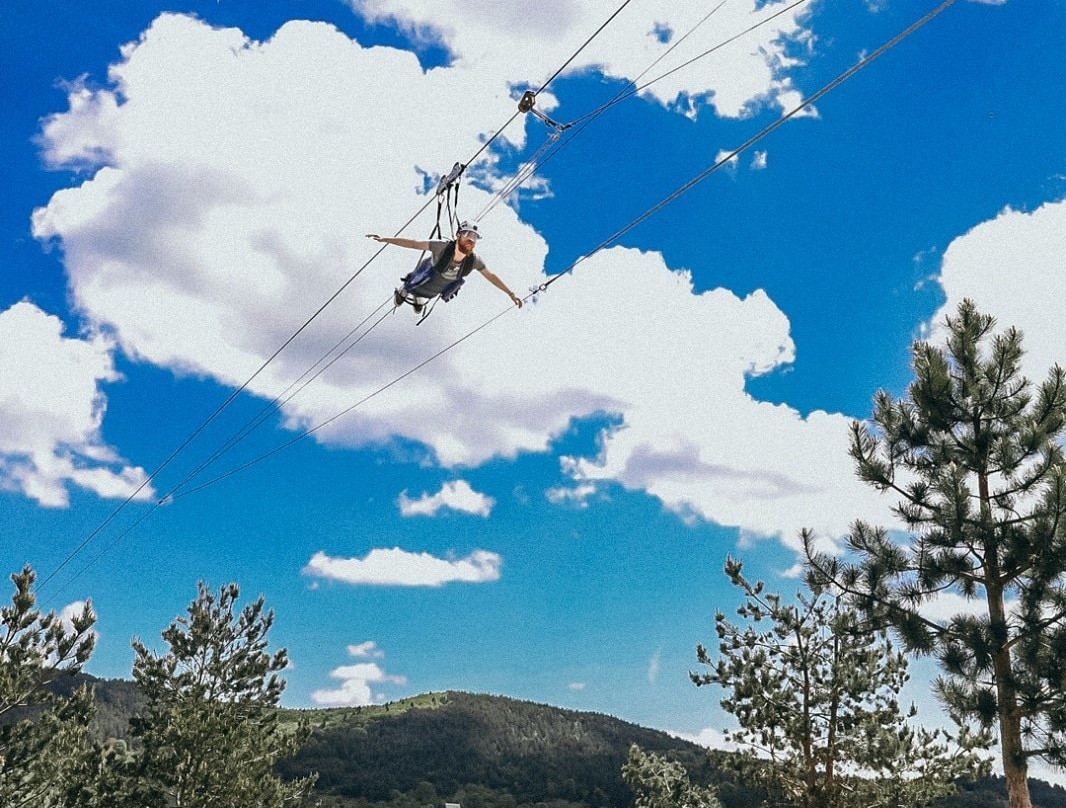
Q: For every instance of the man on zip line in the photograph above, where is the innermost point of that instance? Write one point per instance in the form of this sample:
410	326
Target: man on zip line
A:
445	270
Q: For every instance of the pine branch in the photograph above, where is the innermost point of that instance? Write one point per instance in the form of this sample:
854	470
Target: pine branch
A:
1039	627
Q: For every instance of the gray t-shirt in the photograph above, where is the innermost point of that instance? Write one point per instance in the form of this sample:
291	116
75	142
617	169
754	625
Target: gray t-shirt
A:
450	272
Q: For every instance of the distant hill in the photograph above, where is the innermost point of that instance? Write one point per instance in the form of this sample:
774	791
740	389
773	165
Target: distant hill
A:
492	752
991	792
484	752
117	700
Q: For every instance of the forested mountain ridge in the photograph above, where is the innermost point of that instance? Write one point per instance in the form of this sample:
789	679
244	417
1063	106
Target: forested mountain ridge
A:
489	752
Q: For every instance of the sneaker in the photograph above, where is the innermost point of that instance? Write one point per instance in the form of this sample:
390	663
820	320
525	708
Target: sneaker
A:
397	298
417	307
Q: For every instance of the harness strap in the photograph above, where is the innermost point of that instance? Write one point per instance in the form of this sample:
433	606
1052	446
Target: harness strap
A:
446	257
426	270
435	232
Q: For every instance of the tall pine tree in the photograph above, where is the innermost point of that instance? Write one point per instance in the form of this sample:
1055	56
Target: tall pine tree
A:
210	731
972	452
816	694
42	735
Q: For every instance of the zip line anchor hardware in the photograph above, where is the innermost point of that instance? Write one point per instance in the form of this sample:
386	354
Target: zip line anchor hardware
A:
451	179
528	103
447	194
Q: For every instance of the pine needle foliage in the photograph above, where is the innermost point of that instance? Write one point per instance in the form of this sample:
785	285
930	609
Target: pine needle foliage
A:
41	734
210	730
973	454
816	695
658	782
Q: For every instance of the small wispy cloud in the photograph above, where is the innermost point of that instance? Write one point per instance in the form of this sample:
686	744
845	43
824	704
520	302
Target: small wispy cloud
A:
366	650
455	496
577	687
396	567
723	154
655	666
709	738
793	572
577	496
357	680
758	161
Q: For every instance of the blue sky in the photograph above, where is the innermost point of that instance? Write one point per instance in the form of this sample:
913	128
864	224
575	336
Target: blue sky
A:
544	511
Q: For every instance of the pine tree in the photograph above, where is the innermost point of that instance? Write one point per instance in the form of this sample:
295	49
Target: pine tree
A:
816	696
105	775
659	782
973	456
210	730
41	735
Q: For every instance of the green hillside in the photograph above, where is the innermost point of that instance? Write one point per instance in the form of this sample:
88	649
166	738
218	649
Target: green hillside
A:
491	752
482	751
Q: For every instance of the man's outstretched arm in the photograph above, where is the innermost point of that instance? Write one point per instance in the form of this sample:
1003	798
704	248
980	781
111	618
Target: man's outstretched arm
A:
495	281
410	243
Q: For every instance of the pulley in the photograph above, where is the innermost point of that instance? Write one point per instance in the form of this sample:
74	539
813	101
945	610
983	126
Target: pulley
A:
528	103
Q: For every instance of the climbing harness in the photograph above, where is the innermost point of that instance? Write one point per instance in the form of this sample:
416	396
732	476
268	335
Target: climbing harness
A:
427	270
447	195
448	198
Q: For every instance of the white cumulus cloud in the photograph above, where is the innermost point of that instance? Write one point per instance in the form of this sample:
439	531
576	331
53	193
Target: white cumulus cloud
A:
236	180
455	496
398	567
506	39
690	434
1012	267
357	681
52	407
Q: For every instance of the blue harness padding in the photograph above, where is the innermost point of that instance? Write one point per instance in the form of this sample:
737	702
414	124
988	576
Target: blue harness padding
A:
427	279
